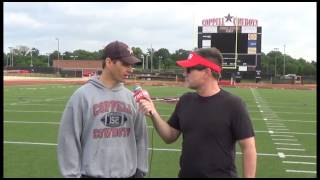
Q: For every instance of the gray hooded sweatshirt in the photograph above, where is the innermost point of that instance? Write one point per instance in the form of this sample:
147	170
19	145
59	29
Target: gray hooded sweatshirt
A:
102	133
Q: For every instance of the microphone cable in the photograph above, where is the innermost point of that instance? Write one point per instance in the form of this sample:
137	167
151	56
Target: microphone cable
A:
151	152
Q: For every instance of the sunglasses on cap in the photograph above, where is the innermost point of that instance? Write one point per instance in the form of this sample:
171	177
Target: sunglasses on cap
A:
199	68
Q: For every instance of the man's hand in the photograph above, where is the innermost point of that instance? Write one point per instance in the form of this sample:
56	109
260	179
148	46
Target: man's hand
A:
147	107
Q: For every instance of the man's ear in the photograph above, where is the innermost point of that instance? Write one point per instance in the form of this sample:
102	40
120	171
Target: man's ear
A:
208	70
107	61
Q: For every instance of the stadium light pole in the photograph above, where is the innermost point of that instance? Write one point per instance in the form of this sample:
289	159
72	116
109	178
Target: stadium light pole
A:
142	56
7	60
31	63
147	61
48	59
160	57
284	59
11	53
275	64
58	47
151	58
236	44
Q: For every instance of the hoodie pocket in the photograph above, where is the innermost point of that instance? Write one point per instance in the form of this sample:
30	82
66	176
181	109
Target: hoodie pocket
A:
112	162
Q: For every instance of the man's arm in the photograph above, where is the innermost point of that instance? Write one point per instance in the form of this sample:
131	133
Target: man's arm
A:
166	132
69	145
140	130
248	148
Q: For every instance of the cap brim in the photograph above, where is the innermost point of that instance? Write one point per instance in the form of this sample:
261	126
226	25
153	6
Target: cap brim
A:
131	60
186	63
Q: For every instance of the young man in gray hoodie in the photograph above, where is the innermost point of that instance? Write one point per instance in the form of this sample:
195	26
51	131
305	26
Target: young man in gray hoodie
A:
102	132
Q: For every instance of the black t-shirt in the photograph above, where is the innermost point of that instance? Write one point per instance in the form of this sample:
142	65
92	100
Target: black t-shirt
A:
210	127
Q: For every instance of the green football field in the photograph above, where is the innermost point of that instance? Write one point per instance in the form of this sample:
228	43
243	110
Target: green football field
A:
284	123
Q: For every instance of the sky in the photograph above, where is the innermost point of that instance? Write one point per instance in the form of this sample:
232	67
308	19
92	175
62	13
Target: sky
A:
288	26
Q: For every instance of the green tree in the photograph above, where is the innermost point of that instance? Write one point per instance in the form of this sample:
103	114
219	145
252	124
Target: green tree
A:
67	56
162	55
137	52
54	55
308	69
83	54
179	55
291	68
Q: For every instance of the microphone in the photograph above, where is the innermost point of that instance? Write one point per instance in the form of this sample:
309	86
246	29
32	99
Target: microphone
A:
139	93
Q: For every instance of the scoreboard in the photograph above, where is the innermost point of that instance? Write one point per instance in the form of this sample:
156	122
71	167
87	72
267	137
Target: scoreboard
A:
239	45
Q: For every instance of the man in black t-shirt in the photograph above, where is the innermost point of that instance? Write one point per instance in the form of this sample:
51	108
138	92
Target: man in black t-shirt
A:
211	121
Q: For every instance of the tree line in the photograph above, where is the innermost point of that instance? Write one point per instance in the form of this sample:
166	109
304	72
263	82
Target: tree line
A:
271	63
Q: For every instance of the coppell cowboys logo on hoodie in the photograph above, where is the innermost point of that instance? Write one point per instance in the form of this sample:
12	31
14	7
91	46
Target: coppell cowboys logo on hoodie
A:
114	119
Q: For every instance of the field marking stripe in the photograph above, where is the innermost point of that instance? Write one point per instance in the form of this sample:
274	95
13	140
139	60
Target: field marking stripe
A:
15	104
166	115
35	122
284	139
295	133
30	122
33	111
286	107
289	149
271	126
30	143
288	144
297	162
281	112
300	171
288	120
274	124
278	129
304	156
281	135
157	149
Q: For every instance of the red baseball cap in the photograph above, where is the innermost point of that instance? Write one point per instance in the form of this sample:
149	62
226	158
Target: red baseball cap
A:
194	59
121	51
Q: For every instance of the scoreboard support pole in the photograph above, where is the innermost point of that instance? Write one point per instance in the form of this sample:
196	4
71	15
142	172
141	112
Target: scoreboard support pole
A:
236	45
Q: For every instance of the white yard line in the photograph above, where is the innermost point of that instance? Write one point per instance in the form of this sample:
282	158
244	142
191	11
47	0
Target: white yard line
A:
300	171
302	156
296	162
290	149
290	144
301	133
31	122
29	143
278	129
15	104
33	111
276	124
289	107
269	126
157	149
284	139
281	135
279	120
40	122
285	112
